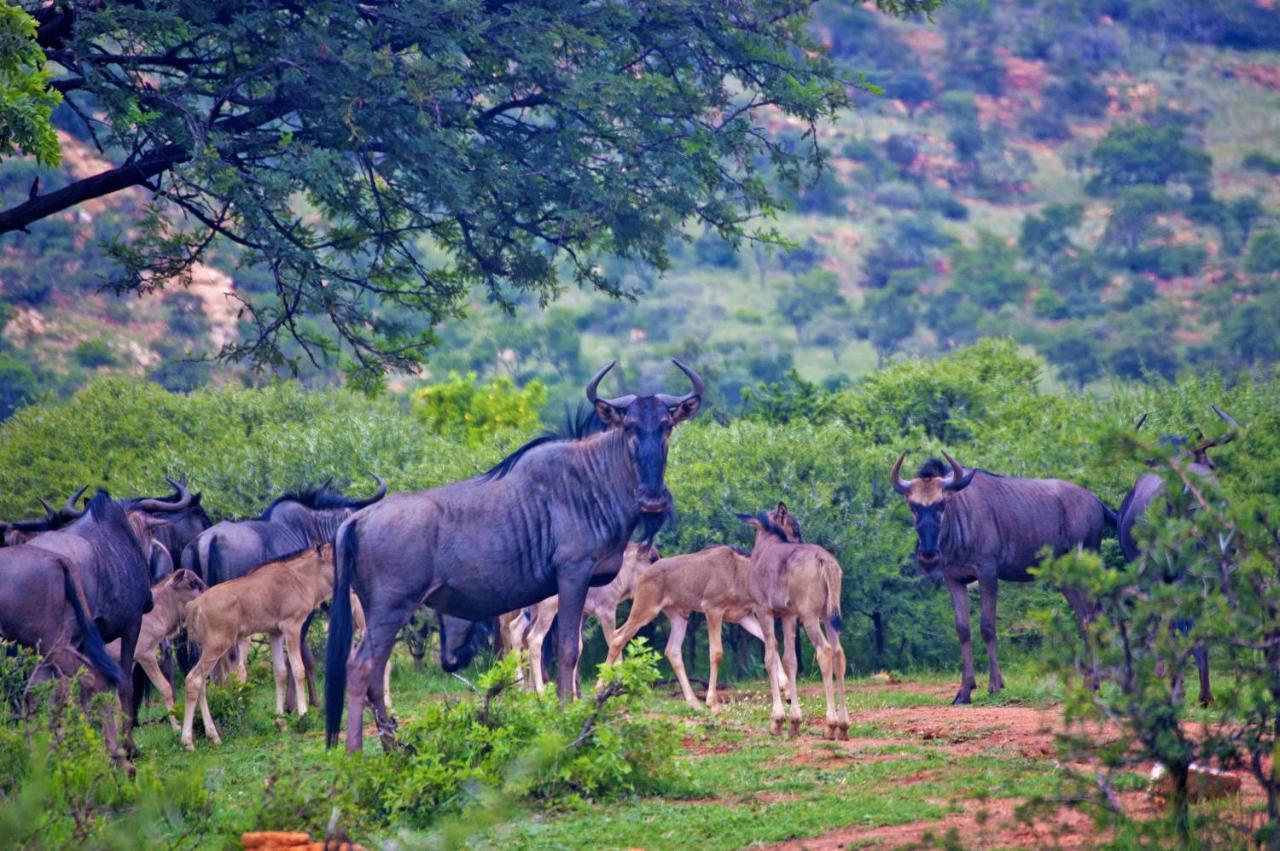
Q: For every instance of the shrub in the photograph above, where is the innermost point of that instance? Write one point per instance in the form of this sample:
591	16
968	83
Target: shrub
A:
460	408
94	353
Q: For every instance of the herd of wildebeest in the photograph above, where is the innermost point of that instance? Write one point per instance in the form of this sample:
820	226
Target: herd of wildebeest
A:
542	538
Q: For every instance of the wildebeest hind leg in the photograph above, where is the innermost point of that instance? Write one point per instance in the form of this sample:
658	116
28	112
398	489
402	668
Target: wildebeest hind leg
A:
378	698
675	642
792	667
375	649
988	588
128	701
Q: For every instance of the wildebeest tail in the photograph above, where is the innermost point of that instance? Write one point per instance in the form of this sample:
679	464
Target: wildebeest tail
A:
1111	516
213	569
89	635
190	559
339	646
831	575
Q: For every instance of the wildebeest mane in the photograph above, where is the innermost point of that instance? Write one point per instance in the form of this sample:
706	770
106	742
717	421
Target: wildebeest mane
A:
318	499
577	425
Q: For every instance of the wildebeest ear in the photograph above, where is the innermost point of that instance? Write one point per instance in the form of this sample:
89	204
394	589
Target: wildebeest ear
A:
686	409
608	413
749	519
782	509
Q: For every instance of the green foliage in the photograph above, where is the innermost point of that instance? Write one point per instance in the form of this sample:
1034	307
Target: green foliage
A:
1261	161
460	408
987	273
1207	573
26	100
94	353
1133	154
1263	257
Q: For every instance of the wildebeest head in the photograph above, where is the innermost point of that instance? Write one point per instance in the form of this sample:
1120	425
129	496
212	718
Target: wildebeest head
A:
927	495
460	640
779	522
21	531
647	422
1199	449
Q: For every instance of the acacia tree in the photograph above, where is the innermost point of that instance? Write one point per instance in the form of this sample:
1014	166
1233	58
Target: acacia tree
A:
383	158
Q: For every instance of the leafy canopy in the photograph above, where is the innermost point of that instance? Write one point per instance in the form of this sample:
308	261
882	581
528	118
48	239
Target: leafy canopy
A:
382	159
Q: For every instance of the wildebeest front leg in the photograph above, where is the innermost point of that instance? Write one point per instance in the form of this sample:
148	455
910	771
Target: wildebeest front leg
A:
715	652
772	666
675	655
988	591
572	586
960	605
128	646
792	666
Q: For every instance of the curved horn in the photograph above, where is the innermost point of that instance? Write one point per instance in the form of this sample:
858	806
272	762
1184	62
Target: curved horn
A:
1142	419
49	513
184	500
70	507
957	480
1233	426
379	494
593	398
694	378
895	475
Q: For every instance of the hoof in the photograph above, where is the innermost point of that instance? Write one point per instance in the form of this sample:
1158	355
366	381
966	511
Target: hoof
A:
844	732
795	727
831	733
281	722
962	697
189	745
776	727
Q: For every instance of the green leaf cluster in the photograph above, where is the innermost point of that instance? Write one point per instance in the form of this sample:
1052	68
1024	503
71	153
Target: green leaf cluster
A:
26	100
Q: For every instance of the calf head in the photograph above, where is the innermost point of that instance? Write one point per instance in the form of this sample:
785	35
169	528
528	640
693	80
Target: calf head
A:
927	495
460	640
779	523
647	422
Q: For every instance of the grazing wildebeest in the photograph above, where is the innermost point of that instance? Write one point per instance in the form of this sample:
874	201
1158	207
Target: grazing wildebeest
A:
601	603
715	581
112	548
21	531
552	518
168	615
275	599
43	606
795	581
1150	488
978	526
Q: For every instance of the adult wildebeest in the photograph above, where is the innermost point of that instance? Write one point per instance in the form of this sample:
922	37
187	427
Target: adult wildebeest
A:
1150	488
111	548
978	526
552	518
290	524
21	531
184	519
43	606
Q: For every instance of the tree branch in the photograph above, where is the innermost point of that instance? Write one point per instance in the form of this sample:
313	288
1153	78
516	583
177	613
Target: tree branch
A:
137	172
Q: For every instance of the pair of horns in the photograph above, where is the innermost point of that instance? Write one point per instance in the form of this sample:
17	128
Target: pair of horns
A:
624	402
184	499
69	507
955	480
1205	443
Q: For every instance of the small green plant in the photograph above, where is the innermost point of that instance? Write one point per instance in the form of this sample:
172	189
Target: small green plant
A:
460	407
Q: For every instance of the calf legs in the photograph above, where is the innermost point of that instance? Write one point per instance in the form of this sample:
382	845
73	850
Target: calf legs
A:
792	668
196	692
675	643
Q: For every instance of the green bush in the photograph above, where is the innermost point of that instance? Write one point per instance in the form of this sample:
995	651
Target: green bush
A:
460	408
94	353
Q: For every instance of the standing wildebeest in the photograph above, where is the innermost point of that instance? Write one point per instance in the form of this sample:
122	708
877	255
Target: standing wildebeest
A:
795	581
43	606
715	581
980	526
184	519
602	604
553	518
21	531
111	548
1150	488
290	524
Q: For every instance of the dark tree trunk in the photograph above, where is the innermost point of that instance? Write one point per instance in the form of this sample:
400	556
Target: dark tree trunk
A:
878	639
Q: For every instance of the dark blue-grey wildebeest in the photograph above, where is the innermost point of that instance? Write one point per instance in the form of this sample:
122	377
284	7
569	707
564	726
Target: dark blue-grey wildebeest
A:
181	525
111	547
21	531
978	526
43	606
292	523
1150	488
552	518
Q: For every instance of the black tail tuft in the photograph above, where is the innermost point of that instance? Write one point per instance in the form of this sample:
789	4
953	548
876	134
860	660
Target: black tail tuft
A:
340	629
837	622
89	635
213	577
1111	515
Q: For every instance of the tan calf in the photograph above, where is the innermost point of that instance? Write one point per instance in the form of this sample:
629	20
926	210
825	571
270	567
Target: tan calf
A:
528	629
714	581
275	599
798	582
168	614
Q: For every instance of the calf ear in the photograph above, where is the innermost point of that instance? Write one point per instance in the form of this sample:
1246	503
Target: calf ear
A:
782	509
608	413
686	409
749	519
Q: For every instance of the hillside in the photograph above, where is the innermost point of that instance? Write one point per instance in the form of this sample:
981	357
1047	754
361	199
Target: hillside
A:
1099	181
